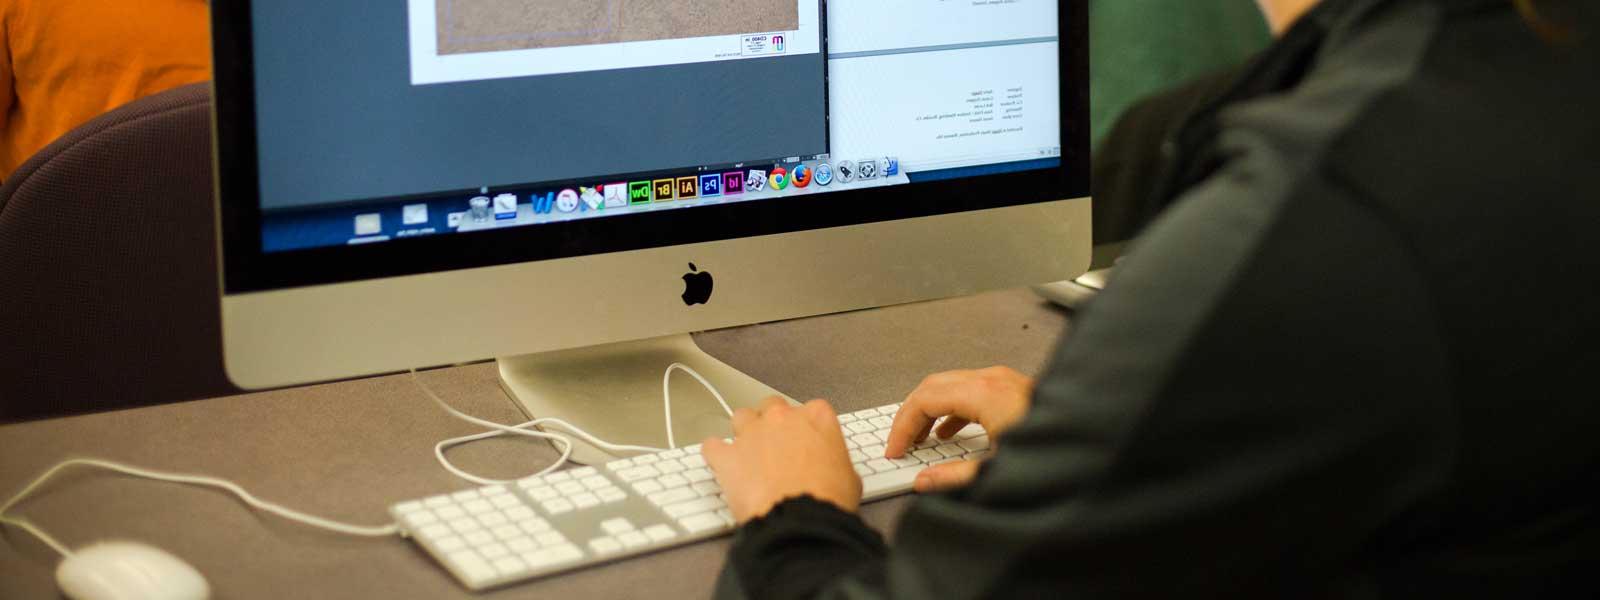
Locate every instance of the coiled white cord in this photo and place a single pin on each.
(561, 441)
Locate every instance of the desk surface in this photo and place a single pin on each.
(348, 450)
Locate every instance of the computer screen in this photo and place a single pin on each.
(379, 122)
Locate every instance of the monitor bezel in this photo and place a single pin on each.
(246, 267)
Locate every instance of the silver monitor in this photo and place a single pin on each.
(571, 189)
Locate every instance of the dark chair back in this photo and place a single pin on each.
(108, 264)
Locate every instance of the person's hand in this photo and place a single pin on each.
(996, 398)
(783, 452)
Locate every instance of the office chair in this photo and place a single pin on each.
(108, 264)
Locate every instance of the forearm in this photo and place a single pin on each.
(801, 548)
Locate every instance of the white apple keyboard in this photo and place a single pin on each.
(540, 526)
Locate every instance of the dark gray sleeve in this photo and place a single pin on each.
(1259, 390)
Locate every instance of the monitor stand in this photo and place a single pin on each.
(613, 391)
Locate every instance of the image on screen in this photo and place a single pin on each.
(433, 117)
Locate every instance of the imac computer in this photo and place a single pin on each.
(571, 187)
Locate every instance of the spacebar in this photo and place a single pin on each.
(889, 482)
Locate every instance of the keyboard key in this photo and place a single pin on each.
(493, 550)
(534, 526)
(492, 491)
(477, 506)
(702, 522)
(862, 470)
(633, 539)
(669, 466)
(693, 461)
(518, 513)
(616, 526)
(889, 410)
(660, 533)
(435, 530)
(585, 500)
(605, 545)
(727, 516)
(695, 506)
(909, 460)
(419, 518)
(510, 566)
(505, 501)
(851, 444)
(472, 567)
(507, 532)
(706, 488)
(671, 496)
(647, 487)
(405, 507)
(550, 538)
(478, 538)
(845, 419)
(860, 427)
(970, 431)
(882, 422)
(464, 495)
(698, 475)
(450, 513)
(975, 444)
(449, 543)
(582, 472)
(543, 493)
(692, 449)
(672, 481)
(865, 414)
(558, 506)
(950, 450)
(595, 482)
(874, 451)
(492, 519)
(436, 501)
(928, 455)
(898, 478)
(617, 465)
(612, 494)
(557, 477)
(645, 459)
(857, 456)
(637, 473)
(465, 524)
(522, 544)
(865, 439)
(882, 435)
(550, 557)
(881, 464)
(569, 487)
(673, 453)
(529, 483)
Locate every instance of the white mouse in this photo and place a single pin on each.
(129, 571)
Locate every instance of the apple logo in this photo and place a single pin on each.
(696, 286)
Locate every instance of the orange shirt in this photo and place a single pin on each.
(63, 62)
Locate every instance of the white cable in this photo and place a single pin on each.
(499, 429)
(666, 396)
(438, 450)
(247, 497)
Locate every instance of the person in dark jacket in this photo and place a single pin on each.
(1353, 356)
